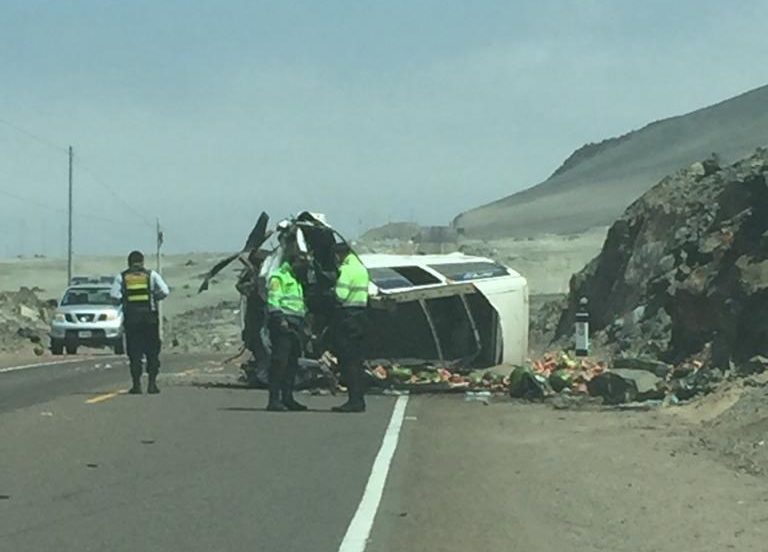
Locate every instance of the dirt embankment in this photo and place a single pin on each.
(209, 329)
(24, 321)
(732, 424)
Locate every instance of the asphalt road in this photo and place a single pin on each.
(204, 467)
(21, 386)
(192, 469)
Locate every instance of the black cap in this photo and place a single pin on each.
(135, 258)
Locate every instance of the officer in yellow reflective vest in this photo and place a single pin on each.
(139, 290)
(350, 325)
(287, 309)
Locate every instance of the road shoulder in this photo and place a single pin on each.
(518, 476)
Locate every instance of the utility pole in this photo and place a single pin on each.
(69, 233)
(160, 271)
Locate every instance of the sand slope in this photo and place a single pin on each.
(595, 185)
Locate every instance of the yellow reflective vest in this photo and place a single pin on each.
(137, 293)
(352, 284)
(285, 293)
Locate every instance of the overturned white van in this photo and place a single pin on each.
(452, 310)
(455, 309)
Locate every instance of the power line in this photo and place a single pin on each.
(82, 164)
(87, 169)
(34, 202)
(36, 137)
(39, 204)
(114, 194)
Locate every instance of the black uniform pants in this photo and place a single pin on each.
(142, 335)
(284, 365)
(349, 336)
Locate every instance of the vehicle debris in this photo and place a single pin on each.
(432, 378)
(646, 381)
(453, 313)
(478, 396)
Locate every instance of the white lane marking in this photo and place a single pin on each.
(360, 527)
(43, 364)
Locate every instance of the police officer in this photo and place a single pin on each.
(350, 325)
(140, 290)
(287, 310)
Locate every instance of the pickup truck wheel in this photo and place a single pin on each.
(119, 347)
(71, 349)
(57, 348)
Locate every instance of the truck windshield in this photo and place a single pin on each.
(88, 296)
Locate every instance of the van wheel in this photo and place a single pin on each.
(57, 348)
(71, 349)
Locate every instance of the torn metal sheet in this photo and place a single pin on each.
(255, 240)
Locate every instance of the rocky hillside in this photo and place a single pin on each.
(685, 269)
(595, 184)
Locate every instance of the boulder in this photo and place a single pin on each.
(656, 367)
(648, 385)
(29, 313)
(613, 388)
(755, 365)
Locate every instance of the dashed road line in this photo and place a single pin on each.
(105, 396)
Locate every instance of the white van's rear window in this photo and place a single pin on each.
(462, 272)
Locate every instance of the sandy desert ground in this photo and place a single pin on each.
(547, 262)
(182, 272)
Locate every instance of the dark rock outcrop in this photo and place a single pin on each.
(685, 266)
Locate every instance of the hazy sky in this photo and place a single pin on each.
(205, 113)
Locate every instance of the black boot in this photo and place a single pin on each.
(350, 406)
(136, 389)
(287, 389)
(292, 404)
(274, 404)
(356, 402)
(152, 388)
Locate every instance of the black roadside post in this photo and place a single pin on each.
(582, 328)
